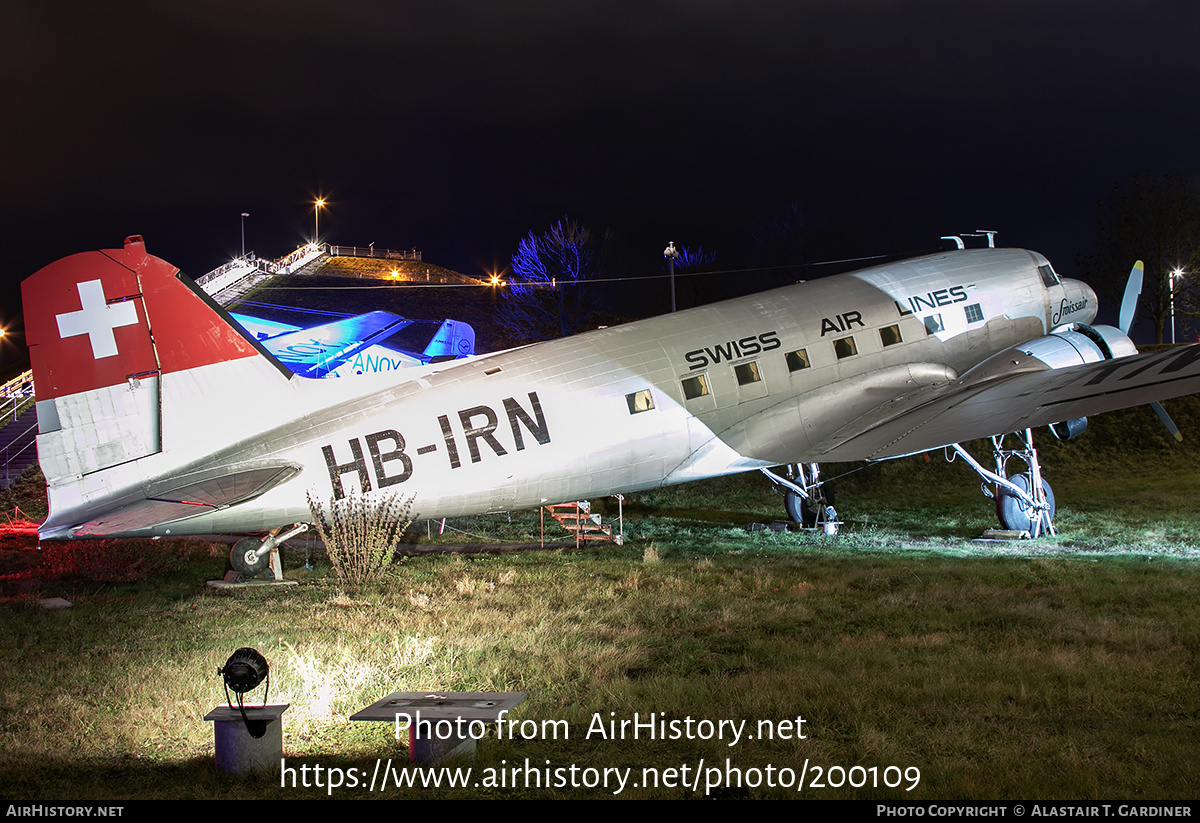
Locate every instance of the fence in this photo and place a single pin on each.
(371, 251)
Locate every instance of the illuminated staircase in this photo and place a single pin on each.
(578, 519)
(17, 449)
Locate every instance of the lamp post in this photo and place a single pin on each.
(317, 222)
(1174, 274)
(244, 216)
(670, 252)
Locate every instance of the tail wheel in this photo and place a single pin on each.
(1017, 515)
(805, 512)
(244, 557)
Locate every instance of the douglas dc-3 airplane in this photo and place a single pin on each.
(158, 416)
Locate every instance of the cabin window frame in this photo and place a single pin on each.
(798, 360)
(640, 401)
(748, 373)
(698, 381)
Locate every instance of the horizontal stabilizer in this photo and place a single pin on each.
(182, 502)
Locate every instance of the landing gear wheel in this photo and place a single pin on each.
(805, 512)
(244, 560)
(1015, 514)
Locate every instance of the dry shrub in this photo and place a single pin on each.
(360, 535)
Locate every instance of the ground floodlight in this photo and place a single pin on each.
(242, 672)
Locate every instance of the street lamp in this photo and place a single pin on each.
(244, 216)
(670, 252)
(317, 221)
(1174, 274)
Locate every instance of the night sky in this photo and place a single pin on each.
(457, 127)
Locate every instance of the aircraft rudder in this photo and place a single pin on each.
(453, 339)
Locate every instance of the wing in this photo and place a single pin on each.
(1026, 395)
(321, 349)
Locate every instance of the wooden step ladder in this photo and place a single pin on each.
(578, 519)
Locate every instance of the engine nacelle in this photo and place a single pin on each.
(1069, 429)
(1063, 348)
(1079, 344)
(1074, 346)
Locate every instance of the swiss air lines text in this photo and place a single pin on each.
(467, 436)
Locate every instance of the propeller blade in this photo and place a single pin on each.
(1133, 289)
(1166, 420)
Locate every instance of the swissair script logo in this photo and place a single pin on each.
(96, 319)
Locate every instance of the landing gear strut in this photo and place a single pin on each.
(807, 498)
(1024, 501)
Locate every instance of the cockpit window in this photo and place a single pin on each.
(1049, 277)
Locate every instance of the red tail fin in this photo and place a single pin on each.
(103, 318)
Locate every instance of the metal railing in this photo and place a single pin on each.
(371, 251)
(12, 407)
(238, 263)
(19, 386)
(10, 456)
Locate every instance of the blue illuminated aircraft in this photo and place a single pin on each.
(350, 346)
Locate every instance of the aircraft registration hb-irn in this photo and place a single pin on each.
(158, 416)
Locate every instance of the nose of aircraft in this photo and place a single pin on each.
(1077, 305)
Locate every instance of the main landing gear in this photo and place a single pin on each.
(807, 498)
(1024, 500)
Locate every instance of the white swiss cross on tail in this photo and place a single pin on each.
(96, 319)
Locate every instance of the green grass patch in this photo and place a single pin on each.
(1064, 676)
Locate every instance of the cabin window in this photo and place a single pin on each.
(694, 387)
(640, 401)
(747, 373)
(798, 360)
(933, 324)
(974, 313)
(1049, 276)
(845, 347)
(890, 335)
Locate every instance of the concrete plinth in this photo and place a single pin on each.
(441, 725)
(239, 751)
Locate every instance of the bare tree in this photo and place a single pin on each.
(548, 295)
(1154, 218)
